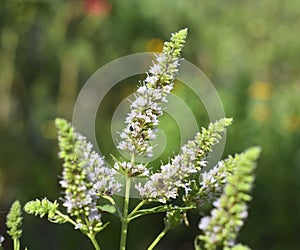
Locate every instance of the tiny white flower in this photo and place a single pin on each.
(78, 226)
(217, 203)
(151, 79)
(2, 239)
(161, 58)
(244, 214)
(204, 223)
(155, 69)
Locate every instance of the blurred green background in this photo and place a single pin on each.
(250, 50)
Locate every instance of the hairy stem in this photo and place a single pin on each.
(158, 238)
(125, 215)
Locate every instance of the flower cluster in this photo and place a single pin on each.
(102, 178)
(85, 176)
(14, 220)
(146, 108)
(226, 219)
(90, 186)
(132, 169)
(43, 208)
(213, 181)
(165, 184)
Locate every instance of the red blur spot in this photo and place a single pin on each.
(97, 7)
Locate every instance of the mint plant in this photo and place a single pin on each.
(182, 185)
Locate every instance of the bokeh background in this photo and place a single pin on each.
(250, 50)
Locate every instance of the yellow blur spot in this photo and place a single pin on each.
(292, 123)
(260, 90)
(48, 130)
(155, 45)
(261, 112)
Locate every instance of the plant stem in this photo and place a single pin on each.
(94, 241)
(136, 208)
(66, 217)
(91, 236)
(158, 238)
(125, 215)
(16, 244)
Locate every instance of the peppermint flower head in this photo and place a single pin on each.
(43, 208)
(142, 119)
(213, 181)
(165, 184)
(14, 221)
(85, 177)
(132, 169)
(220, 229)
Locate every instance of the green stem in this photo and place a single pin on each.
(158, 238)
(125, 215)
(91, 236)
(136, 208)
(94, 241)
(16, 244)
(66, 217)
(196, 243)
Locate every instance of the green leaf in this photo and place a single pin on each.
(107, 208)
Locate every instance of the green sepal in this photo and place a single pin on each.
(173, 219)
